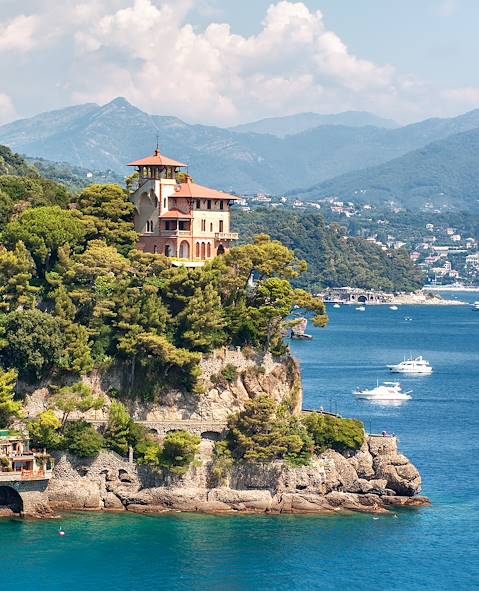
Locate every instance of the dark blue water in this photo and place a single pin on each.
(430, 549)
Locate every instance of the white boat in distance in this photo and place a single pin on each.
(336, 306)
(413, 366)
(361, 308)
(393, 308)
(388, 392)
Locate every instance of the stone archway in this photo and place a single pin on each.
(362, 299)
(220, 250)
(10, 499)
(211, 435)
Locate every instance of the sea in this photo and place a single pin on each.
(434, 548)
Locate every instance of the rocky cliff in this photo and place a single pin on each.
(374, 479)
(254, 375)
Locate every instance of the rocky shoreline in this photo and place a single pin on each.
(375, 479)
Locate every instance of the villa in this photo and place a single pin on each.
(178, 218)
(18, 462)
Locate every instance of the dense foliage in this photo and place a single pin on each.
(78, 295)
(264, 431)
(334, 259)
(330, 432)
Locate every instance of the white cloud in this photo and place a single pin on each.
(7, 110)
(448, 8)
(164, 65)
(18, 34)
(147, 51)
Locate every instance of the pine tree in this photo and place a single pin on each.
(118, 431)
(202, 321)
(16, 272)
(9, 408)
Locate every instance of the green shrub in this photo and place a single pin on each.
(330, 432)
(263, 431)
(222, 461)
(44, 431)
(179, 451)
(83, 440)
(227, 375)
(230, 373)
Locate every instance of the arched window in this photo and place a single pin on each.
(208, 250)
(197, 250)
(221, 250)
(155, 249)
(203, 225)
(203, 250)
(184, 250)
(221, 226)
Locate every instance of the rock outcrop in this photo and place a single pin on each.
(256, 374)
(374, 479)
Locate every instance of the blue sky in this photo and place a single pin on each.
(224, 62)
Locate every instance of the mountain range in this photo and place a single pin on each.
(292, 124)
(326, 154)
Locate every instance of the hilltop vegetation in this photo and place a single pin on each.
(75, 294)
(334, 258)
(74, 177)
(443, 174)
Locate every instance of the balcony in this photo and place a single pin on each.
(23, 475)
(226, 236)
(174, 233)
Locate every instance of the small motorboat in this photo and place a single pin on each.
(475, 306)
(336, 306)
(387, 392)
(393, 308)
(417, 366)
(301, 336)
(361, 308)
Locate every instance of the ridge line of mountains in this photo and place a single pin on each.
(353, 156)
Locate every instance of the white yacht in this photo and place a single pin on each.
(336, 306)
(414, 366)
(388, 392)
(475, 306)
(393, 308)
(361, 308)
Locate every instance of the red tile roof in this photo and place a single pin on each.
(157, 160)
(193, 191)
(175, 213)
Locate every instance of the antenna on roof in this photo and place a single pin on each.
(157, 141)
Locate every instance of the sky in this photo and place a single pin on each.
(223, 62)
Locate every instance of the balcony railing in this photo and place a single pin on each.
(175, 233)
(227, 236)
(25, 475)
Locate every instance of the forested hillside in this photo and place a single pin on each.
(443, 174)
(334, 259)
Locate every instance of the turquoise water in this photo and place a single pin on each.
(433, 548)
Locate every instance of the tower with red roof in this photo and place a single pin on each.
(176, 217)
